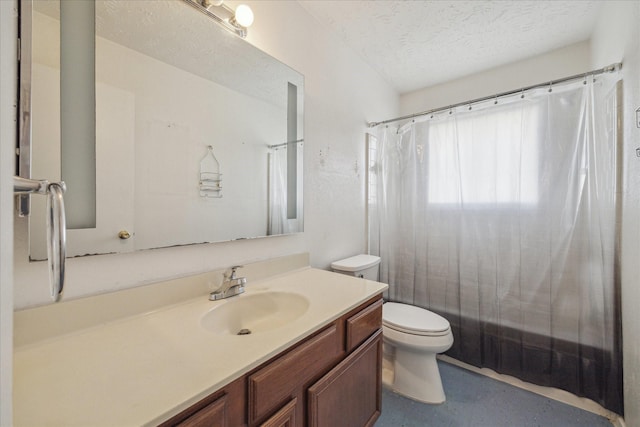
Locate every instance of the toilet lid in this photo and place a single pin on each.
(412, 319)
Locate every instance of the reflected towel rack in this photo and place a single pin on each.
(210, 176)
(56, 227)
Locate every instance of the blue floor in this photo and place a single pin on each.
(474, 400)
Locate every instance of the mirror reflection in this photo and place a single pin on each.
(198, 134)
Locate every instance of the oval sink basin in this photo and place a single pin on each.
(255, 313)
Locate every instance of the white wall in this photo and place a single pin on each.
(339, 100)
(341, 95)
(567, 61)
(617, 38)
(7, 138)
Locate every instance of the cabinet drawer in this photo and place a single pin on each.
(226, 407)
(276, 383)
(212, 415)
(285, 417)
(361, 325)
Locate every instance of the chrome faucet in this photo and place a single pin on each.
(231, 286)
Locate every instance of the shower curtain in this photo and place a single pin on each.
(502, 217)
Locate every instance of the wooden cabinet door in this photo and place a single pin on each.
(350, 395)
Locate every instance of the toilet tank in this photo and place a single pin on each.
(365, 266)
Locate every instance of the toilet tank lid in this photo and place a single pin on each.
(356, 263)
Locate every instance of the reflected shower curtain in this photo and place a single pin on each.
(503, 219)
(277, 192)
(278, 220)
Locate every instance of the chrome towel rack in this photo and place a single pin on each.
(56, 227)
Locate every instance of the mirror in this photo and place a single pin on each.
(198, 134)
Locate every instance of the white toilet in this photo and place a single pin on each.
(412, 338)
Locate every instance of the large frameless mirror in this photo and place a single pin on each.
(197, 135)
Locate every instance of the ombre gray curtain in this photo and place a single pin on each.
(503, 218)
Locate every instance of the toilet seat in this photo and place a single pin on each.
(414, 320)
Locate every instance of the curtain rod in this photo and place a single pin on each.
(609, 69)
(285, 143)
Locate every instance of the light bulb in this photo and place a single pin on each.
(244, 15)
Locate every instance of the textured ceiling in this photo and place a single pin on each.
(416, 44)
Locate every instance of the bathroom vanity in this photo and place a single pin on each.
(183, 364)
(331, 378)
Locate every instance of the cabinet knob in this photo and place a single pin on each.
(124, 234)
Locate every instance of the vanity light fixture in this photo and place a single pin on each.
(235, 20)
(208, 3)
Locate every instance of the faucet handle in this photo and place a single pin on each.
(233, 271)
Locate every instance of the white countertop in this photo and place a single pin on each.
(143, 369)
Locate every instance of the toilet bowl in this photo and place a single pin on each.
(412, 338)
